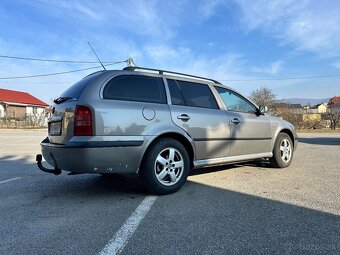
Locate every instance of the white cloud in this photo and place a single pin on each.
(337, 64)
(140, 17)
(308, 25)
(76, 8)
(227, 66)
(207, 8)
(272, 69)
(262, 13)
(164, 53)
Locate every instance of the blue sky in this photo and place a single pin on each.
(225, 40)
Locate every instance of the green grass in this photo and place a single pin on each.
(325, 130)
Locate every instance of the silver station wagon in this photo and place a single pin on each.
(159, 124)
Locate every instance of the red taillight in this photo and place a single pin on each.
(83, 121)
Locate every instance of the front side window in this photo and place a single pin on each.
(235, 102)
(192, 94)
(136, 88)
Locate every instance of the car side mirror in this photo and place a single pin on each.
(263, 109)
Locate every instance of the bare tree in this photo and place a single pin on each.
(263, 96)
(334, 117)
(334, 111)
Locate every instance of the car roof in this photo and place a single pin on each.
(171, 75)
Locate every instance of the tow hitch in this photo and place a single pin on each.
(55, 171)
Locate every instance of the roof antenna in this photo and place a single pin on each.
(96, 56)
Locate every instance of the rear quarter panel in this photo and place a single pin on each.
(127, 120)
(123, 118)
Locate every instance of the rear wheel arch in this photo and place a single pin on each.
(165, 166)
(179, 137)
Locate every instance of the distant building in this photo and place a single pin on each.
(322, 108)
(334, 105)
(311, 117)
(18, 105)
(286, 107)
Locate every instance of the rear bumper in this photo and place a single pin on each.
(94, 156)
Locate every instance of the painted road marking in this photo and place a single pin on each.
(121, 238)
(9, 180)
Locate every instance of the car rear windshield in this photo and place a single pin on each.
(77, 89)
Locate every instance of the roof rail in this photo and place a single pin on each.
(133, 68)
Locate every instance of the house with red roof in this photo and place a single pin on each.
(334, 104)
(18, 105)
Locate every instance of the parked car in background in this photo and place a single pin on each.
(160, 125)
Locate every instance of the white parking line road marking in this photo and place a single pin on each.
(9, 180)
(121, 238)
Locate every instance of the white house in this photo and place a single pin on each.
(19, 105)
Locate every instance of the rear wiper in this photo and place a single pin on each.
(59, 100)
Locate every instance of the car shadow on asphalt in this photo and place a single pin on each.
(320, 140)
(214, 220)
(199, 217)
(94, 184)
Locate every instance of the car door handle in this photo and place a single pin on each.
(183, 117)
(235, 121)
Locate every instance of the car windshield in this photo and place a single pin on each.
(77, 89)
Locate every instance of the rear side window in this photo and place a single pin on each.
(193, 94)
(176, 94)
(136, 88)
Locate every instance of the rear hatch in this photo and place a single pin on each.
(61, 124)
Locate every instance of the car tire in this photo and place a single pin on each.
(165, 167)
(283, 151)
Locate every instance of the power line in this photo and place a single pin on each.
(288, 78)
(55, 60)
(131, 63)
(58, 73)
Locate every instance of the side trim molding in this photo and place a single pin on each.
(231, 139)
(224, 160)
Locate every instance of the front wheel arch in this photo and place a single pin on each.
(286, 131)
(281, 152)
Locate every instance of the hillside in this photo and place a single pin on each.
(305, 101)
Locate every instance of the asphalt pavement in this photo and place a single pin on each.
(235, 209)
